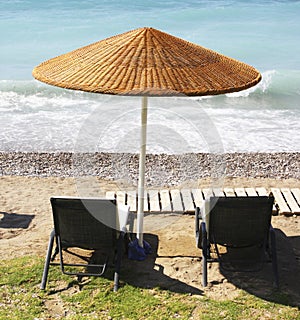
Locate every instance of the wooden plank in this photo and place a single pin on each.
(110, 195)
(146, 202)
(251, 192)
(121, 197)
(229, 192)
(187, 200)
(198, 197)
(154, 201)
(165, 200)
(262, 191)
(207, 192)
(218, 192)
(283, 207)
(296, 193)
(290, 200)
(177, 205)
(240, 192)
(131, 200)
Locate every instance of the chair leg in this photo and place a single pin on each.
(204, 254)
(47, 261)
(118, 260)
(274, 257)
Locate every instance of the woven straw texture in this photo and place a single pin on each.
(147, 61)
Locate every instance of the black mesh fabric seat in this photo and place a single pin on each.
(237, 224)
(85, 224)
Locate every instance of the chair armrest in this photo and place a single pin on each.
(197, 223)
(202, 236)
(123, 214)
(197, 218)
(197, 227)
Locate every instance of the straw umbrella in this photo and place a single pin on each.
(147, 62)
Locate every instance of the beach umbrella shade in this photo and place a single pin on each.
(147, 62)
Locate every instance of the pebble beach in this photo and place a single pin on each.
(176, 168)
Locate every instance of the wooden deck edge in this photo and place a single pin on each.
(184, 201)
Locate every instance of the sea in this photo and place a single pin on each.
(35, 117)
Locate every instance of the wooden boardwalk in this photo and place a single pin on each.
(287, 201)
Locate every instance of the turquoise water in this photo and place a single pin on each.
(36, 117)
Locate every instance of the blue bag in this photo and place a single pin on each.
(136, 252)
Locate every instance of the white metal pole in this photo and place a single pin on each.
(142, 160)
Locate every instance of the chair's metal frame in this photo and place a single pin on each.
(205, 239)
(61, 247)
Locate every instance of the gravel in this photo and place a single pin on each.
(161, 168)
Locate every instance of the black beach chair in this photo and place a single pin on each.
(236, 223)
(88, 225)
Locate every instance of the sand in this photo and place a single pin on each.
(175, 264)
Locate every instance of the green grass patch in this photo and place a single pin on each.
(246, 306)
(21, 298)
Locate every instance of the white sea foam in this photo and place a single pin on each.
(262, 86)
(37, 117)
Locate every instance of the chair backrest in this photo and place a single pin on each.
(85, 223)
(240, 221)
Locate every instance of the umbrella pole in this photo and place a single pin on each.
(142, 160)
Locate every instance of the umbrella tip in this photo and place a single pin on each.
(148, 28)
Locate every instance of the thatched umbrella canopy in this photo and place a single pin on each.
(147, 62)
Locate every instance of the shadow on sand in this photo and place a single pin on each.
(15, 220)
(141, 274)
(149, 274)
(260, 283)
